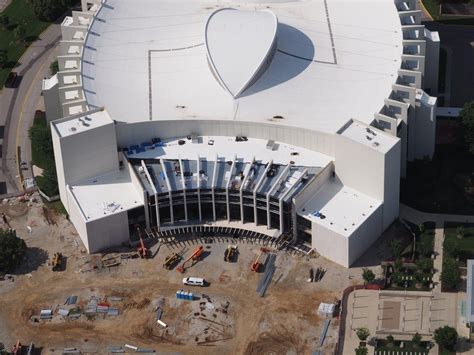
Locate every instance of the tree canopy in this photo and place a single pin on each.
(12, 251)
(361, 350)
(362, 333)
(451, 276)
(368, 275)
(50, 10)
(446, 337)
(467, 119)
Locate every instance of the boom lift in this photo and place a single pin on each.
(142, 250)
(195, 256)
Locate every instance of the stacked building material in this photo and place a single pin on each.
(267, 275)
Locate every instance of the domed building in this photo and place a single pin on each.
(289, 119)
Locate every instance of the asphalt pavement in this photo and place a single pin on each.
(17, 107)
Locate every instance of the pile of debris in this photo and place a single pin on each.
(210, 323)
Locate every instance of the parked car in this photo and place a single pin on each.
(194, 281)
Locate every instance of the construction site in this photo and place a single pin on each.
(182, 292)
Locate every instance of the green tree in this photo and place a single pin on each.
(20, 32)
(50, 10)
(424, 245)
(12, 251)
(421, 228)
(54, 67)
(368, 275)
(397, 248)
(451, 247)
(41, 139)
(3, 57)
(460, 232)
(362, 333)
(451, 276)
(361, 350)
(424, 264)
(416, 340)
(390, 340)
(446, 337)
(48, 182)
(398, 265)
(467, 121)
(4, 22)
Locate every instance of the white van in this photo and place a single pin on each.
(194, 281)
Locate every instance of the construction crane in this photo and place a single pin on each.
(142, 250)
(230, 252)
(195, 256)
(256, 264)
(171, 261)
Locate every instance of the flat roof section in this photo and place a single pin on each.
(106, 194)
(345, 209)
(369, 136)
(81, 122)
(329, 64)
(208, 147)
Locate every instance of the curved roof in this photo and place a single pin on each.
(335, 60)
(239, 45)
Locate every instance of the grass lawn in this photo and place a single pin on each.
(19, 11)
(39, 158)
(432, 6)
(465, 244)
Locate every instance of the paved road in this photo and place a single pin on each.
(17, 106)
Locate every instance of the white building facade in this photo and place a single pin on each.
(241, 115)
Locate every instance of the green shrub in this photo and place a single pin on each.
(50, 10)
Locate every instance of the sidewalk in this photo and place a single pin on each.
(417, 217)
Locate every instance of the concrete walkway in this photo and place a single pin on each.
(4, 4)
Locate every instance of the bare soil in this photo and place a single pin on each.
(284, 321)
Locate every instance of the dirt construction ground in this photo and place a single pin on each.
(228, 316)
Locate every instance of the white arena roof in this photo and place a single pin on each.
(335, 60)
